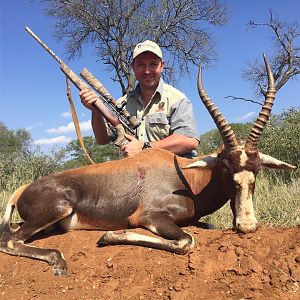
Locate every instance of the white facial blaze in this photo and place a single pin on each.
(243, 159)
(245, 217)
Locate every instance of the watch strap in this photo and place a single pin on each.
(146, 145)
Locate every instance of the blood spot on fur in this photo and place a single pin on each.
(142, 173)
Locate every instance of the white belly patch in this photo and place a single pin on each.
(72, 223)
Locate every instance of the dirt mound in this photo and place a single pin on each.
(223, 265)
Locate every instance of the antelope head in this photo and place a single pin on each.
(239, 162)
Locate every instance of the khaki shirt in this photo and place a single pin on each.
(168, 112)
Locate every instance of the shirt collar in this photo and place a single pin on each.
(158, 90)
(160, 87)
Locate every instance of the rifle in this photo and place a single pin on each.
(116, 115)
(118, 108)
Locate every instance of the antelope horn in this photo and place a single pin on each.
(227, 134)
(263, 117)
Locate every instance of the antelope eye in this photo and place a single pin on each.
(225, 171)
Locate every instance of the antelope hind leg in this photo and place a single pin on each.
(13, 241)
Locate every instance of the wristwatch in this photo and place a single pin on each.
(146, 145)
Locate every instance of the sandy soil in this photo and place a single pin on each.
(223, 265)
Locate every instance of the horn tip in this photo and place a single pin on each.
(200, 69)
(200, 77)
(265, 59)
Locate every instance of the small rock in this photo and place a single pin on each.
(239, 251)
(77, 256)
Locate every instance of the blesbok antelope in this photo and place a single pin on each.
(154, 189)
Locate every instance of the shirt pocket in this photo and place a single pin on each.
(158, 118)
(159, 126)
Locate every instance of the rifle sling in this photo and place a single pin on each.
(75, 120)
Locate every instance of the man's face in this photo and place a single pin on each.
(147, 68)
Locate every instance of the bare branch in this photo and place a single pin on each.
(244, 99)
(285, 63)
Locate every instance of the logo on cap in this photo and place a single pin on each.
(145, 47)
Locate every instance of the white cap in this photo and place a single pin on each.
(147, 46)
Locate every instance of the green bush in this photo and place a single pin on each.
(281, 139)
(16, 171)
(13, 141)
(20, 163)
(211, 141)
(98, 153)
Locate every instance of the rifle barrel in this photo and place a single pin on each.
(43, 44)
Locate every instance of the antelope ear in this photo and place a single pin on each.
(205, 162)
(271, 162)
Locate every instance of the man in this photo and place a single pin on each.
(166, 115)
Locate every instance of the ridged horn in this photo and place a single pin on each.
(263, 117)
(227, 134)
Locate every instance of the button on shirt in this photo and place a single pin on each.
(168, 112)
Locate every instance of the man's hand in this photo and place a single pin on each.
(88, 98)
(134, 146)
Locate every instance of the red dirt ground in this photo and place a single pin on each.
(223, 265)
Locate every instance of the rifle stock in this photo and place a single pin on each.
(100, 89)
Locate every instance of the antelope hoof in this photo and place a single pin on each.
(59, 272)
(104, 240)
(248, 228)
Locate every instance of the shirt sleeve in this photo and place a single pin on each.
(182, 119)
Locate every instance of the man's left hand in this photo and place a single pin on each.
(134, 146)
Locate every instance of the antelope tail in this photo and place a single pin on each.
(5, 222)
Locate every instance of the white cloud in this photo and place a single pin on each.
(57, 140)
(66, 115)
(62, 129)
(30, 127)
(246, 117)
(84, 126)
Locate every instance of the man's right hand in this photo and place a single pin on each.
(88, 98)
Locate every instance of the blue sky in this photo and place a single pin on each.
(32, 87)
